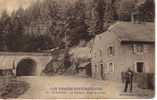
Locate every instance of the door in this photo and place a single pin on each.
(140, 67)
(89, 70)
(102, 71)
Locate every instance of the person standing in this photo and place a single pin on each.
(128, 80)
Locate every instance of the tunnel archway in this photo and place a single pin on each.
(26, 67)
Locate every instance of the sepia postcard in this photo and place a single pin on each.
(77, 49)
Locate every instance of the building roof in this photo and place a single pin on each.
(84, 65)
(128, 31)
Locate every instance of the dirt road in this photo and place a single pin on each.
(76, 87)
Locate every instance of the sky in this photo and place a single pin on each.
(11, 5)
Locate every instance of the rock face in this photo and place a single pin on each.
(75, 61)
(59, 64)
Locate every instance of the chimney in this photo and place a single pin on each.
(135, 15)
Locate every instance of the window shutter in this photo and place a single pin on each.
(113, 51)
(113, 67)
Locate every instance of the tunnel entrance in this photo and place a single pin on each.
(26, 67)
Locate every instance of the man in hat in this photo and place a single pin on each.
(128, 80)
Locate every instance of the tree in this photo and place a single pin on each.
(91, 18)
(147, 11)
(103, 14)
(36, 43)
(15, 38)
(100, 11)
(110, 14)
(56, 18)
(5, 26)
(77, 23)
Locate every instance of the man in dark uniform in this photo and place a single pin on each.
(128, 80)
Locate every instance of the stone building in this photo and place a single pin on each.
(124, 45)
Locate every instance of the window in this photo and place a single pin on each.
(100, 53)
(140, 67)
(138, 48)
(100, 37)
(110, 51)
(111, 67)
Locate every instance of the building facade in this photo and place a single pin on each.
(124, 45)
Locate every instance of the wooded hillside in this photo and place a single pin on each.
(54, 23)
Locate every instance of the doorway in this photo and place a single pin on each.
(89, 70)
(26, 67)
(140, 67)
(102, 71)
